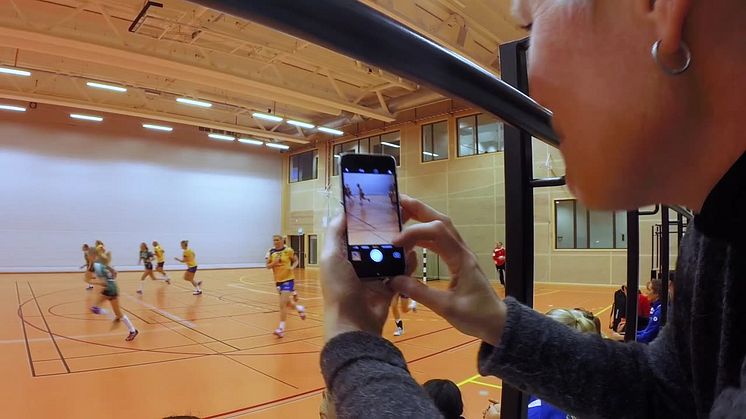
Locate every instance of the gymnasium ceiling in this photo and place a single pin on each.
(185, 50)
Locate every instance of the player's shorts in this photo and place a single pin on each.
(286, 286)
(148, 266)
(111, 290)
(161, 264)
(193, 269)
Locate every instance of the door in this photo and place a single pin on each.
(313, 257)
(297, 243)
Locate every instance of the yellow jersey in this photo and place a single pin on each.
(190, 258)
(159, 254)
(284, 271)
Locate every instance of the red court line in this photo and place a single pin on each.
(49, 330)
(283, 399)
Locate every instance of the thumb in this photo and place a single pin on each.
(436, 300)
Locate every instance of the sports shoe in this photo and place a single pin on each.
(302, 315)
(399, 331)
(89, 287)
(197, 292)
(413, 305)
(96, 310)
(132, 335)
(279, 332)
(168, 280)
(139, 292)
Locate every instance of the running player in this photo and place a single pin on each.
(190, 260)
(107, 277)
(88, 277)
(282, 260)
(146, 257)
(396, 302)
(160, 257)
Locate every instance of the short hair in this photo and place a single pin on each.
(186, 242)
(575, 319)
(446, 396)
(277, 236)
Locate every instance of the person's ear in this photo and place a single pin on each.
(669, 17)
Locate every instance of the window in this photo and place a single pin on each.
(479, 134)
(380, 144)
(435, 141)
(577, 227)
(304, 166)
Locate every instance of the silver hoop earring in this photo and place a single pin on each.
(668, 70)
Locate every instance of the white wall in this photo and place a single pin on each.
(63, 183)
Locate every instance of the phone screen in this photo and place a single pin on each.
(371, 201)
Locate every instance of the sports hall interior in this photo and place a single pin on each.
(128, 121)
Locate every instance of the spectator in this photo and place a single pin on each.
(498, 256)
(447, 397)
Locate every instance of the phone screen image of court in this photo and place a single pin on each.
(371, 207)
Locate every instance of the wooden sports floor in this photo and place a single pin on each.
(211, 356)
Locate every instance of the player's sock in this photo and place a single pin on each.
(399, 323)
(300, 308)
(128, 323)
(282, 326)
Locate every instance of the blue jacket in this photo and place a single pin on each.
(654, 325)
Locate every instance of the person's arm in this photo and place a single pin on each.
(651, 330)
(367, 377)
(294, 260)
(585, 374)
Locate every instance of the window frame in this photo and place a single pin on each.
(315, 164)
(335, 166)
(431, 125)
(587, 227)
(475, 144)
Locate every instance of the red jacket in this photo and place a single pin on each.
(496, 256)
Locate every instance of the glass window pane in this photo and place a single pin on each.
(336, 157)
(313, 250)
(391, 145)
(364, 146)
(427, 142)
(621, 230)
(350, 147)
(466, 137)
(489, 134)
(581, 226)
(303, 166)
(602, 233)
(375, 145)
(565, 229)
(440, 140)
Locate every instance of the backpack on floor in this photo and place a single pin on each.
(618, 308)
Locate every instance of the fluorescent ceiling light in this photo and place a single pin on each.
(106, 86)
(275, 145)
(221, 137)
(86, 117)
(250, 141)
(14, 71)
(157, 127)
(193, 102)
(268, 117)
(390, 145)
(12, 108)
(301, 124)
(331, 131)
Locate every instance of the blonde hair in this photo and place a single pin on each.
(573, 318)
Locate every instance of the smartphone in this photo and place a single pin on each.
(370, 195)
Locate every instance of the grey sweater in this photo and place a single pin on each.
(692, 370)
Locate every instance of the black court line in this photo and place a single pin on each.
(25, 335)
(124, 366)
(49, 330)
(194, 330)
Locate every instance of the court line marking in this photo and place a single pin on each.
(604, 310)
(468, 380)
(25, 335)
(485, 384)
(49, 330)
(267, 292)
(163, 313)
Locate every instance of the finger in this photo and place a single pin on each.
(418, 210)
(411, 263)
(335, 236)
(435, 300)
(435, 236)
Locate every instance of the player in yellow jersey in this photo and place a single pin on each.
(160, 258)
(282, 260)
(190, 260)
